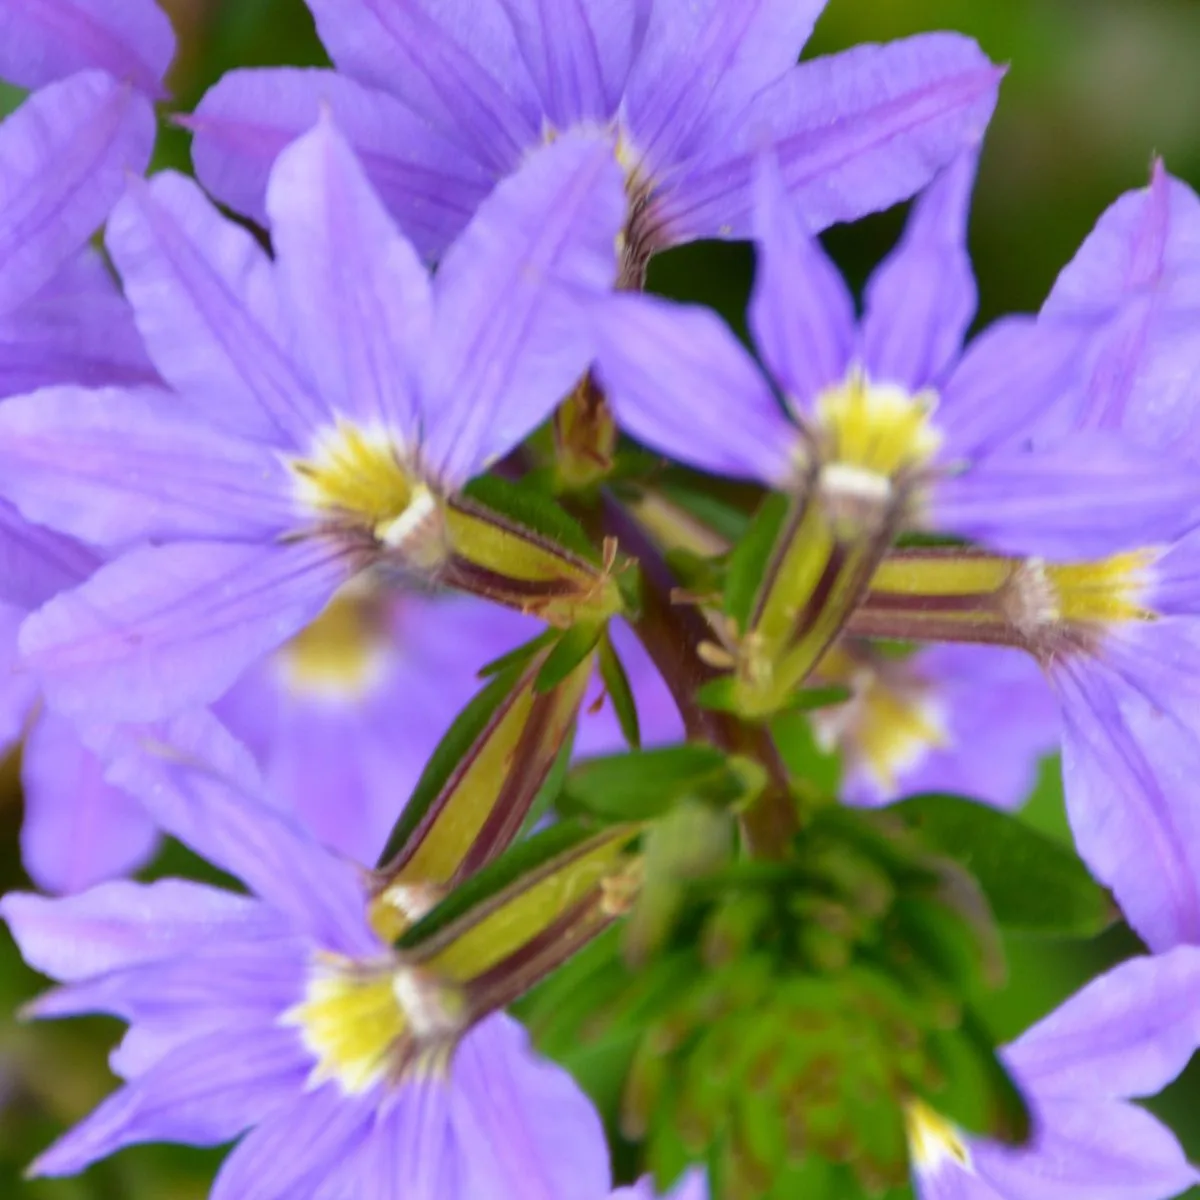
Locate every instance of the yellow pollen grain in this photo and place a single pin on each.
(341, 653)
(352, 1023)
(1108, 591)
(356, 474)
(932, 1140)
(878, 428)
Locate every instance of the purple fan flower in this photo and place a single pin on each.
(65, 154)
(1127, 1034)
(323, 403)
(894, 395)
(443, 99)
(1121, 637)
(970, 720)
(280, 1017)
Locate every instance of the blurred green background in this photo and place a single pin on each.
(1095, 88)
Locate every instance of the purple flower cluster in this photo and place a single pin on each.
(229, 485)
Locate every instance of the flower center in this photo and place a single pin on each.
(368, 1023)
(877, 429)
(343, 655)
(889, 724)
(932, 1140)
(1108, 591)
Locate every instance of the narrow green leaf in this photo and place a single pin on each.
(643, 784)
(519, 656)
(722, 518)
(570, 650)
(1034, 885)
(751, 556)
(616, 682)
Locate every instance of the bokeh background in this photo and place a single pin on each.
(1095, 89)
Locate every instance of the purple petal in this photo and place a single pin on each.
(1148, 241)
(167, 627)
(292, 1152)
(1086, 496)
(78, 829)
(681, 382)
(455, 62)
(77, 329)
(429, 185)
(177, 775)
(18, 689)
(801, 312)
(1089, 1150)
(64, 157)
(691, 1186)
(1128, 1033)
(922, 299)
(359, 298)
(36, 563)
(853, 132)
(578, 53)
(115, 467)
(119, 925)
(702, 63)
(1128, 770)
(523, 1128)
(203, 1093)
(1006, 383)
(45, 40)
(948, 1181)
(510, 337)
(208, 307)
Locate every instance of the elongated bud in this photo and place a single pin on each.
(524, 915)
(966, 595)
(479, 786)
(536, 562)
(818, 569)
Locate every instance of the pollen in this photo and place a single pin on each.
(889, 724)
(352, 1022)
(357, 476)
(1108, 591)
(343, 654)
(932, 1140)
(877, 428)
(367, 1023)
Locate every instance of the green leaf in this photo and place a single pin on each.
(534, 509)
(519, 656)
(570, 650)
(751, 556)
(1033, 884)
(647, 783)
(814, 771)
(616, 681)
(723, 519)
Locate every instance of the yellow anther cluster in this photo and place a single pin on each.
(877, 428)
(352, 1022)
(1103, 592)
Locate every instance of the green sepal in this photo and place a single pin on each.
(645, 784)
(1033, 885)
(550, 789)
(570, 649)
(616, 683)
(534, 509)
(518, 656)
(751, 557)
